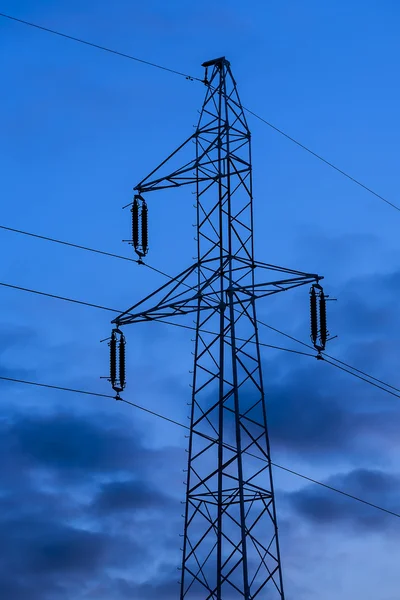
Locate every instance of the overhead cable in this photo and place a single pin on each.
(198, 79)
(173, 421)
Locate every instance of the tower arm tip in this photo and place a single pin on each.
(222, 60)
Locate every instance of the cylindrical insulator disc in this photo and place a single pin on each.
(135, 223)
(322, 318)
(122, 362)
(113, 358)
(145, 235)
(314, 318)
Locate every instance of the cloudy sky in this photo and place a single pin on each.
(91, 489)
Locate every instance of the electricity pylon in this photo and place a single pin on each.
(230, 541)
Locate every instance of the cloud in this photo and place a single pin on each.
(303, 416)
(67, 442)
(325, 413)
(14, 341)
(41, 549)
(122, 496)
(60, 476)
(60, 549)
(15, 336)
(323, 508)
(85, 506)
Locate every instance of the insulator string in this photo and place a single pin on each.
(113, 359)
(314, 319)
(145, 234)
(122, 362)
(322, 318)
(319, 332)
(135, 223)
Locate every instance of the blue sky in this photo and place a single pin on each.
(86, 483)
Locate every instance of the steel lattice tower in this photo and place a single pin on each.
(230, 541)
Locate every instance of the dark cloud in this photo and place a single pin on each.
(15, 336)
(13, 373)
(320, 413)
(322, 507)
(302, 416)
(84, 505)
(15, 341)
(165, 585)
(121, 496)
(59, 478)
(324, 412)
(42, 546)
(70, 550)
(43, 551)
(68, 442)
(317, 412)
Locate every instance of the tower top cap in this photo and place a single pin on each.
(222, 61)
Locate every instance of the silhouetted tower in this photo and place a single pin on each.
(230, 542)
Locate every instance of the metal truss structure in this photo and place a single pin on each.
(230, 541)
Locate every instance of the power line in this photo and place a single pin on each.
(56, 297)
(192, 78)
(98, 394)
(97, 306)
(86, 248)
(159, 271)
(174, 422)
(361, 372)
(329, 487)
(364, 379)
(327, 356)
(324, 160)
(290, 337)
(91, 305)
(99, 47)
(114, 310)
(64, 243)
